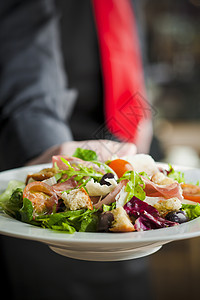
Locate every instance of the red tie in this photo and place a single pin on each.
(124, 89)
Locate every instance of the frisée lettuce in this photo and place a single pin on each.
(192, 211)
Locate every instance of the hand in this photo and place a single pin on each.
(105, 149)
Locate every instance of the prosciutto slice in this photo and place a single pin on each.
(167, 191)
(56, 160)
(110, 198)
(75, 162)
(63, 186)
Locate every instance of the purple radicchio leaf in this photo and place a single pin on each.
(147, 216)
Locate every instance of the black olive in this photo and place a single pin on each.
(106, 176)
(105, 221)
(177, 216)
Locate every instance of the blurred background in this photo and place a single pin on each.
(171, 54)
(169, 34)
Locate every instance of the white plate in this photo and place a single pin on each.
(96, 246)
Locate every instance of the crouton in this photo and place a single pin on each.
(164, 206)
(77, 199)
(122, 222)
(161, 179)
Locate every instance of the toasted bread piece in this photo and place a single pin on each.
(161, 179)
(122, 222)
(77, 199)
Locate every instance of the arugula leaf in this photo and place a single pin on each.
(70, 168)
(176, 175)
(26, 211)
(85, 154)
(82, 175)
(70, 221)
(192, 211)
(56, 221)
(135, 186)
(84, 219)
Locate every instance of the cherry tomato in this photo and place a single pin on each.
(42, 196)
(191, 192)
(120, 166)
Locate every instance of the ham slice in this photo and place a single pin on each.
(167, 191)
(110, 198)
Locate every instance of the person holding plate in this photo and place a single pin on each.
(91, 96)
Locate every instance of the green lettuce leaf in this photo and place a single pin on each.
(85, 154)
(13, 204)
(192, 211)
(26, 211)
(176, 175)
(12, 186)
(89, 223)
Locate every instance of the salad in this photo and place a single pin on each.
(81, 193)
